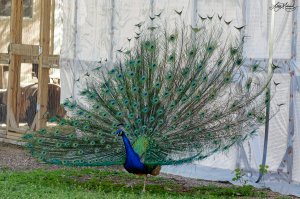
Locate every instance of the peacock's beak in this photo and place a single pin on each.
(118, 132)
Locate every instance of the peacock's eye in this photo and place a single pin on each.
(169, 77)
(131, 62)
(126, 101)
(131, 74)
(131, 115)
(172, 37)
(200, 67)
(151, 119)
(112, 71)
(155, 100)
(219, 62)
(238, 61)
(194, 84)
(119, 114)
(112, 102)
(159, 111)
(233, 51)
(135, 89)
(153, 66)
(172, 58)
(191, 53)
(145, 94)
(138, 121)
(161, 121)
(166, 93)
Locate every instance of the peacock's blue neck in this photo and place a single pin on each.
(133, 162)
(127, 144)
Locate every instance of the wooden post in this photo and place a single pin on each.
(1, 77)
(13, 99)
(43, 77)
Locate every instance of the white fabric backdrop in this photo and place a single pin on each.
(95, 29)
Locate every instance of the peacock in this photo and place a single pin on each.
(175, 96)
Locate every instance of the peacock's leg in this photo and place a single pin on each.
(145, 179)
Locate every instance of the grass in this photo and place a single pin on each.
(93, 183)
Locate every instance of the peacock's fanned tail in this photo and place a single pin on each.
(182, 95)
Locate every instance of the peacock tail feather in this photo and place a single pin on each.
(182, 95)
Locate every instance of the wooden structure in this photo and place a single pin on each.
(23, 53)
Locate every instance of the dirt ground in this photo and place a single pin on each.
(14, 157)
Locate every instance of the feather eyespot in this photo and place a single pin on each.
(112, 71)
(153, 65)
(138, 121)
(169, 76)
(112, 102)
(119, 114)
(145, 94)
(161, 121)
(172, 37)
(131, 74)
(119, 76)
(152, 119)
(143, 78)
(145, 109)
(131, 115)
(131, 62)
(155, 100)
(159, 111)
(157, 85)
(126, 101)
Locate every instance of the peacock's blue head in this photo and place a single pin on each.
(120, 130)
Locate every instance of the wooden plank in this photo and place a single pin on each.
(4, 58)
(2, 133)
(42, 96)
(16, 133)
(13, 135)
(17, 130)
(53, 60)
(13, 99)
(24, 49)
(12, 141)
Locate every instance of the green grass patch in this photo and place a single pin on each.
(93, 183)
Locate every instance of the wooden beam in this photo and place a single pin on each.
(13, 99)
(17, 130)
(14, 135)
(12, 141)
(4, 58)
(52, 62)
(42, 97)
(24, 49)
